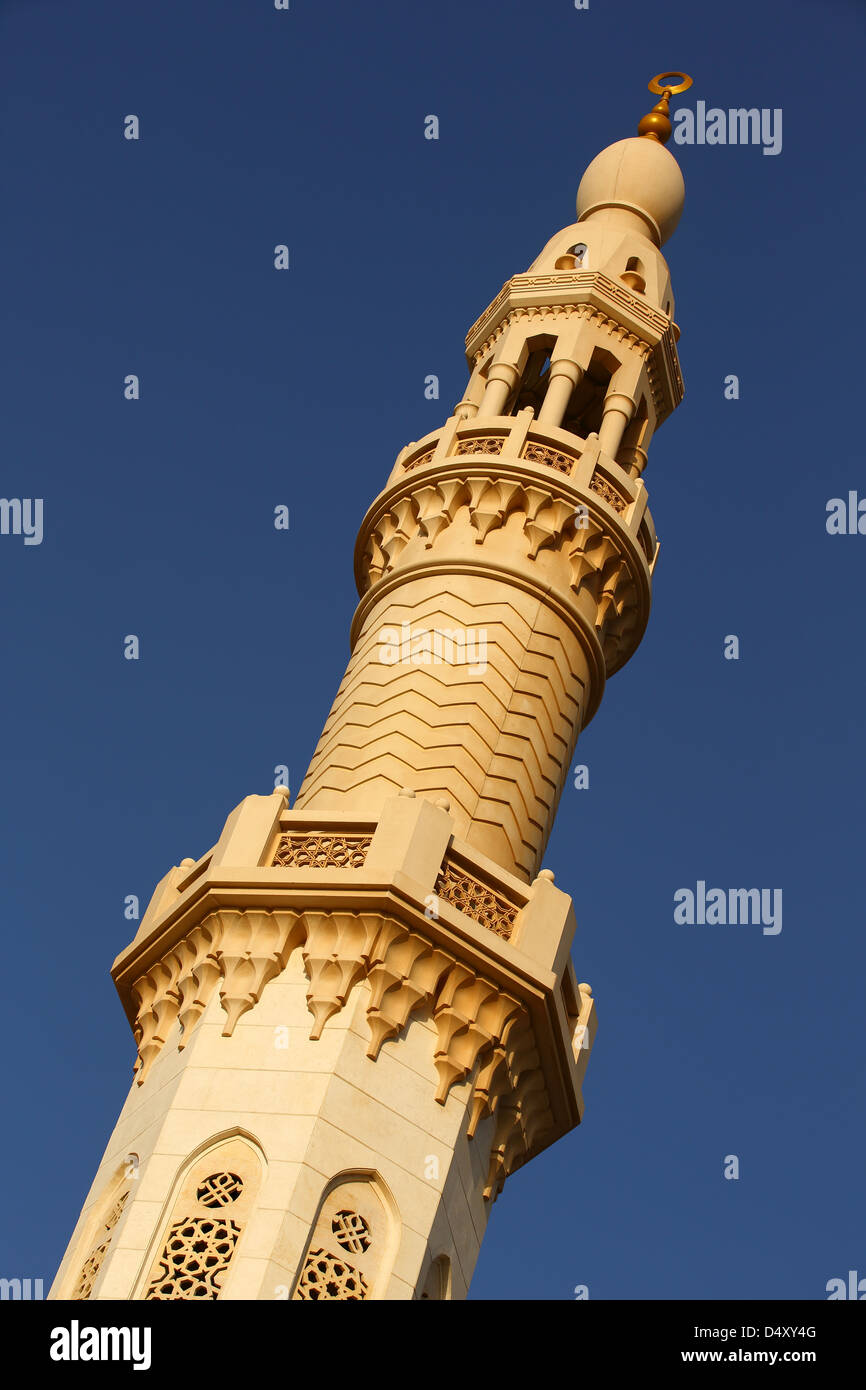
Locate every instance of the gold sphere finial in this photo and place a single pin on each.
(656, 124)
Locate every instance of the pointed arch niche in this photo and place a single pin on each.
(99, 1231)
(437, 1284)
(203, 1220)
(353, 1243)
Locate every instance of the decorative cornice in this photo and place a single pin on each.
(546, 289)
(525, 440)
(482, 1033)
(606, 559)
(592, 296)
(431, 927)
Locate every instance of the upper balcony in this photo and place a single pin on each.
(520, 437)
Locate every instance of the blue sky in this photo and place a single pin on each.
(156, 257)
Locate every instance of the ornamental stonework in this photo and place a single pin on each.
(220, 1189)
(469, 895)
(419, 460)
(351, 1232)
(325, 1277)
(652, 337)
(92, 1265)
(321, 851)
(199, 1246)
(607, 492)
(482, 444)
(596, 561)
(195, 1259)
(482, 1033)
(550, 458)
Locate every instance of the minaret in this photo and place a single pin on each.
(356, 1017)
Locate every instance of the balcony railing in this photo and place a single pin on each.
(520, 437)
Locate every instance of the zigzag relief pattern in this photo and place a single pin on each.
(496, 801)
(507, 629)
(596, 565)
(482, 1034)
(370, 686)
(421, 606)
(448, 689)
(476, 730)
(504, 737)
(414, 693)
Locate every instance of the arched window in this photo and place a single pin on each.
(353, 1242)
(110, 1209)
(214, 1199)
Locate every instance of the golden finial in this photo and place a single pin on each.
(656, 124)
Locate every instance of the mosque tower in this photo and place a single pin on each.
(355, 1017)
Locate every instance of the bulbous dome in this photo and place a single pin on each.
(639, 175)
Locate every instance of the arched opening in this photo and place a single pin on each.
(634, 275)
(531, 389)
(437, 1284)
(213, 1199)
(101, 1228)
(586, 406)
(352, 1244)
(575, 258)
